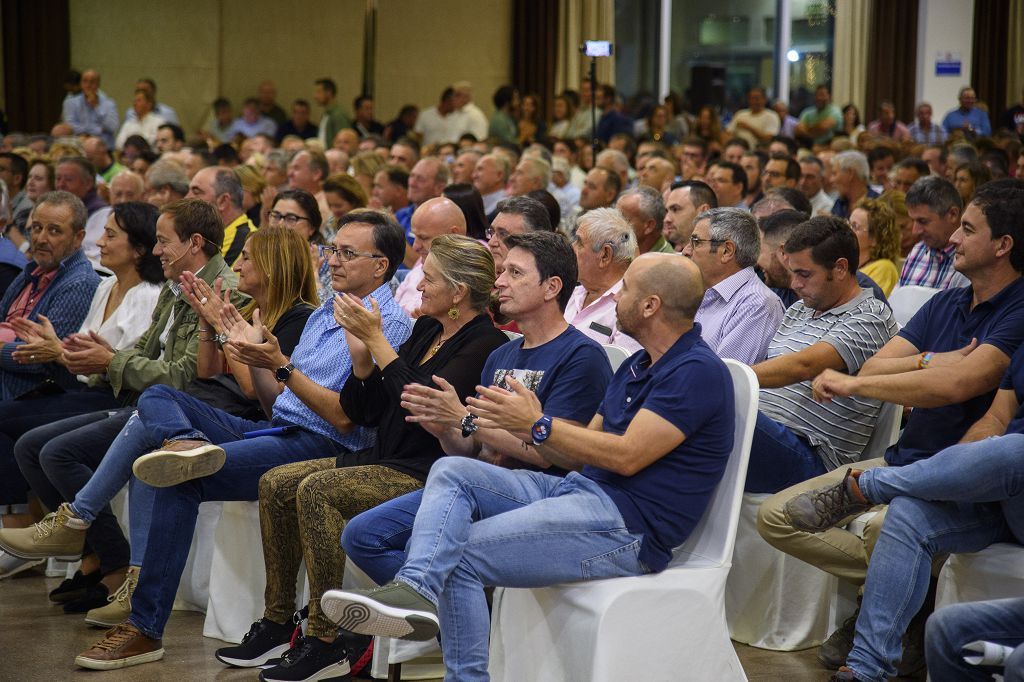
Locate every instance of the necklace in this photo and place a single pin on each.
(437, 346)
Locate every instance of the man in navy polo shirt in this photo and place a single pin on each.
(651, 459)
(946, 364)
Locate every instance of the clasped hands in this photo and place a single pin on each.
(435, 409)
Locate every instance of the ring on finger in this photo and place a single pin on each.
(203, 300)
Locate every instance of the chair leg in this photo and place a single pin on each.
(395, 672)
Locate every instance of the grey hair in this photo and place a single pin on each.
(963, 153)
(79, 215)
(226, 182)
(502, 162)
(167, 173)
(539, 170)
(278, 159)
(855, 161)
(652, 205)
(937, 193)
(739, 227)
(607, 226)
(619, 160)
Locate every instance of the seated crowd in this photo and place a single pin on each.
(390, 337)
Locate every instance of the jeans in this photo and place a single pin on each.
(59, 459)
(779, 458)
(950, 628)
(17, 417)
(113, 472)
(375, 540)
(961, 499)
(483, 525)
(168, 414)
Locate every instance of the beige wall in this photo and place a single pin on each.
(199, 49)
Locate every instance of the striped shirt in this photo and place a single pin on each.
(838, 430)
(928, 267)
(322, 355)
(739, 317)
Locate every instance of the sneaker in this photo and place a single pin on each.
(265, 641)
(360, 648)
(60, 534)
(119, 606)
(844, 674)
(95, 597)
(179, 461)
(392, 610)
(821, 509)
(121, 647)
(310, 659)
(74, 587)
(833, 651)
(12, 565)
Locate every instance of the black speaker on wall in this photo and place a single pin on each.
(707, 86)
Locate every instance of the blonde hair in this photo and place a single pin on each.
(283, 262)
(882, 228)
(463, 260)
(367, 163)
(251, 179)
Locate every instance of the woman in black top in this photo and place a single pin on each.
(304, 506)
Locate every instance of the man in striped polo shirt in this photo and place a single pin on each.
(836, 325)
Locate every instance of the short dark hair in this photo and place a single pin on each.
(388, 235)
(396, 175)
(738, 174)
(778, 226)
(793, 197)
(938, 194)
(829, 238)
(468, 199)
(792, 167)
(879, 153)
(737, 142)
(221, 103)
(694, 141)
(917, 164)
(1002, 203)
(790, 143)
(19, 166)
(226, 153)
(195, 216)
(176, 131)
(84, 166)
(327, 84)
(550, 204)
(503, 96)
(533, 212)
(138, 220)
(359, 100)
(700, 192)
(301, 102)
(308, 203)
(554, 258)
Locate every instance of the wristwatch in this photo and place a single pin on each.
(468, 425)
(283, 373)
(541, 430)
(221, 338)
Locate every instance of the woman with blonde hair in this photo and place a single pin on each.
(364, 167)
(253, 184)
(878, 237)
(304, 506)
(897, 201)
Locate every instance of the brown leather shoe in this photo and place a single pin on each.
(121, 647)
(178, 461)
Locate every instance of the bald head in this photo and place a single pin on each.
(675, 281)
(433, 218)
(126, 186)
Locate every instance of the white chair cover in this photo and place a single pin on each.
(616, 355)
(887, 431)
(905, 301)
(996, 572)
(666, 626)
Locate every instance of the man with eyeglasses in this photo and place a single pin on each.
(205, 457)
(780, 171)
(221, 188)
(516, 215)
(836, 325)
(432, 219)
(739, 314)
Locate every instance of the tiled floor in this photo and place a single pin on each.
(38, 642)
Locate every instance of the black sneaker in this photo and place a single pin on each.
(833, 651)
(96, 596)
(310, 659)
(360, 648)
(74, 587)
(265, 641)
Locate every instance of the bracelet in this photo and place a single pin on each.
(926, 359)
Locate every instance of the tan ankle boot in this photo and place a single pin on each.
(120, 606)
(60, 534)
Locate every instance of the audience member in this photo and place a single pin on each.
(221, 188)
(934, 206)
(850, 177)
(811, 176)
(819, 123)
(923, 130)
(756, 124)
(91, 112)
(729, 182)
(645, 211)
(683, 203)
(967, 118)
(325, 93)
(432, 218)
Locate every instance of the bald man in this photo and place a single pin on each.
(648, 464)
(431, 219)
(127, 186)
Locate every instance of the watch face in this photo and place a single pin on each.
(541, 431)
(282, 373)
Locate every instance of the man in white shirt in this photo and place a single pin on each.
(812, 173)
(467, 116)
(435, 124)
(757, 124)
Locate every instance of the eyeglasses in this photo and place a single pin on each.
(696, 241)
(289, 219)
(502, 233)
(344, 255)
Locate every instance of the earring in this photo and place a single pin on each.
(453, 313)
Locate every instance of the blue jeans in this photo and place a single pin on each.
(114, 470)
(779, 458)
(950, 628)
(168, 414)
(375, 540)
(483, 525)
(961, 499)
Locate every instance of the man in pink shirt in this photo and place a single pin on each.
(605, 245)
(433, 218)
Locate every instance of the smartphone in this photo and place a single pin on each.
(597, 48)
(272, 431)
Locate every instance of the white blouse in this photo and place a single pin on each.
(128, 321)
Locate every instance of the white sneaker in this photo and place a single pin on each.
(10, 565)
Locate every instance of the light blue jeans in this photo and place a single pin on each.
(950, 628)
(961, 499)
(375, 540)
(482, 525)
(114, 470)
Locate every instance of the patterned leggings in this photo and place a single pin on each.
(303, 509)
